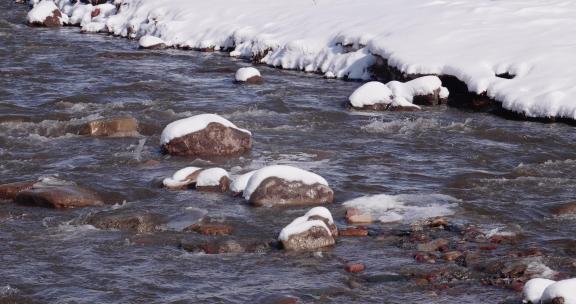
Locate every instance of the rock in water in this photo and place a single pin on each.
(248, 75)
(205, 135)
(151, 42)
(126, 219)
(46, 14)
(58, 196)
(309, 232)
(286, 185)
(111, 127)
(9, 191)
(213, 180)
(183, 178)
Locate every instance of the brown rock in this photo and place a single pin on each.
(568, 209)
(429, 99)
(356, 231)
(111, 127)
(214, 140)
(126, 219)
(354, 267)
(192, 178)
(54, 20)
(223, 186)
(211, 229)
(274, 191)
(314, 238)
(332, 226)
(254, 80)
(434, 245)
(9, 191)
(385, 107)
(355, 216)
(61, 196)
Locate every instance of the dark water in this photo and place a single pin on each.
(504, 174)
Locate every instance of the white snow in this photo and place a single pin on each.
(240, 182)
(192, 124)
(396, 93)
(243, 74)
(405, 207)
(473, 40)
(178, 179)
(304, 223)
(284, 172)
(565, 289)
(42, 10)
(533, 290)
(148, 41)
(211, 177)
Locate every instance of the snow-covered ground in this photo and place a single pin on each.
(474, 40)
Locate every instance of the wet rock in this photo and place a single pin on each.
(354, 267)
(58, 196)
(568, 209)
(226, 245)
(46, 14)
(140, 221)
(313, 238)
(9, 191)
(211, 229)
(274, 191)
(309, 232)
(354, 232)
(111, 127)
(215, 139)
(435, 245)
(355, 216)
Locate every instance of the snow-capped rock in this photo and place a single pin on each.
(248, 75)
(46, 14)
(395, 95)
(533, 290)
(309, 232)
(240, 182)
(287, 185)
(151, 42)
(213, 180)
(205, 135)
(561, 292)
(183, 178)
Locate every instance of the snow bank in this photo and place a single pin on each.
(243, 74)
(477, 41)
(193, 124)
(178, 179)
(240, 182)
(288, 173)
(534, 289)
(304, 223)
(210, 177)
(149, 41)
(405, 208)
(565, 289)
(43, 10)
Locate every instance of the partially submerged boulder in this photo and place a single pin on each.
(111, 127)
(248, 75)
(213, 180)
(141, 221)
(561, 292)
(567, 209)
(46, 14)
(239, 183)
(151, 42)
(314, 230)
(398, 96)
(183, 178)
(9, 191)
(58, 195)
(287, 185)
(205, 135)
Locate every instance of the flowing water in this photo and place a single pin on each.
(500, 174)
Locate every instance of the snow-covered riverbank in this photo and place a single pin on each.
(482, 43)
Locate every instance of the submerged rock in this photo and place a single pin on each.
(568, 209)
(286, 185)
(309, 232)
(226, 245)
(9, 191)
(140, 221)
(111, 127)
(205, 135)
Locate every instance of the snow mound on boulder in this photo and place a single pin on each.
(565, 289)
(405, 207)
(304, 223)
(533, 289)
(193, 124)
(211, 177)
(395, 93)
(43, 10)
(240, 182)
(178, 179)
(288, 173)
(243, 74)
(149, 41)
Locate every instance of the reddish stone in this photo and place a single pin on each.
(211, 229)
(355, 216)
(488, 247)
(9, 191)
(95, 12)
(359, 231)
(355, 267)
